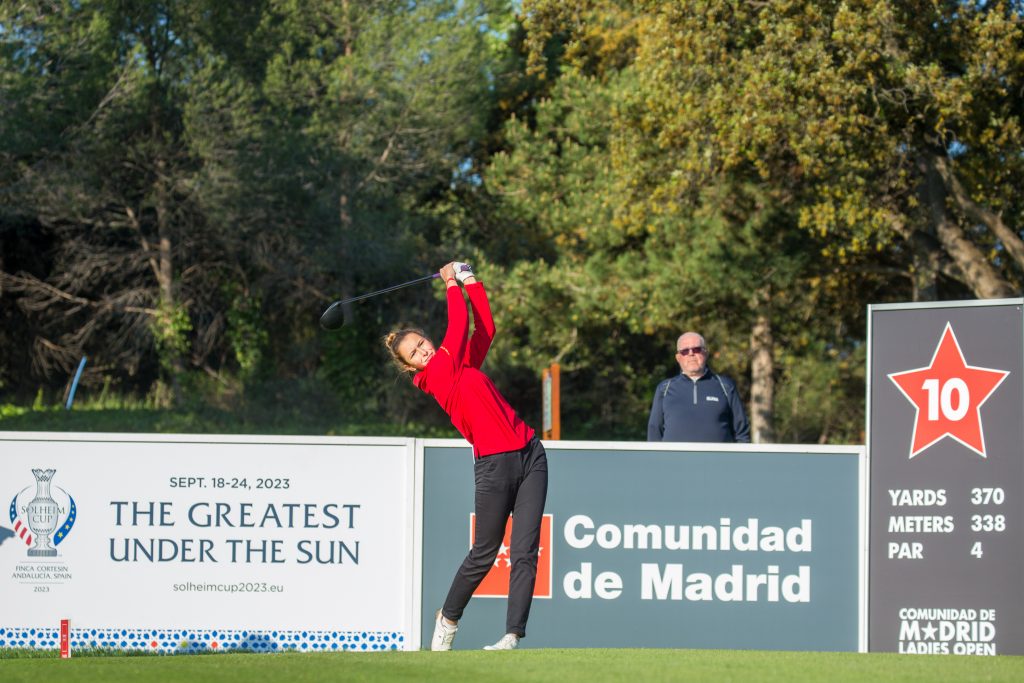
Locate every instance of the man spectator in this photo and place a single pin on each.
(697, 404)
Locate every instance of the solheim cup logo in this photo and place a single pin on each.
(37, 521)
(42, 515)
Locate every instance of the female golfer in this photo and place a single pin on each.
(510, 465)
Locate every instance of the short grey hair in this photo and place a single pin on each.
(703, 342)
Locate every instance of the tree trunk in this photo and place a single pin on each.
(1012, 242)
(762, 380)
(345, 266)
(346, 285)
(978, 273)
(926, 259)
(165, 283)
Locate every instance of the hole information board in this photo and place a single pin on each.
(946, 458)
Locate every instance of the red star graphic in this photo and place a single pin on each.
(948, 395)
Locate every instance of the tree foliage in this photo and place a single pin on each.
(185, 184)
(212, 177)
(734, 167)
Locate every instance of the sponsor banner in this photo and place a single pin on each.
(296, 543)
(946, 449)
(668, 545)
(495, 584)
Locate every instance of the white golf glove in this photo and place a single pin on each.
(463, 271)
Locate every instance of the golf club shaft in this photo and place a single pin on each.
(334, 317)
(389, 289)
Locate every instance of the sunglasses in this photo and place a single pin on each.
(691, 351)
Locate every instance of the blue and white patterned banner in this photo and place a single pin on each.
(171, 641)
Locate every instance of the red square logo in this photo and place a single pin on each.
(495, 584)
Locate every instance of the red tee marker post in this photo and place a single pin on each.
(552, 421)
(65, 639)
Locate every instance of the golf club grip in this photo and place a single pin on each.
(334, 317)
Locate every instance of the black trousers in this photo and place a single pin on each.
(513, 483)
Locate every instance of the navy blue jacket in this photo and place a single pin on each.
(707, 409)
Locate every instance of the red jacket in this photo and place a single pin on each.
(453, 378)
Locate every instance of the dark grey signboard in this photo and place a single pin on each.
(946, 454)
(650, 546)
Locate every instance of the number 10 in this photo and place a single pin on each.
(944, 399)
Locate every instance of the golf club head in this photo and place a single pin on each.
(333, 318)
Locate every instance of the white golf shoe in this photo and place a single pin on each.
(509, 641)
(444, 634)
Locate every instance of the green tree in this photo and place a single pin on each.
(212, 175)
(890, 125)
(370, 113)
(652, 168)
(110, 176)
(886, 135)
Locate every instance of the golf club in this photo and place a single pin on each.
(334, 318)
